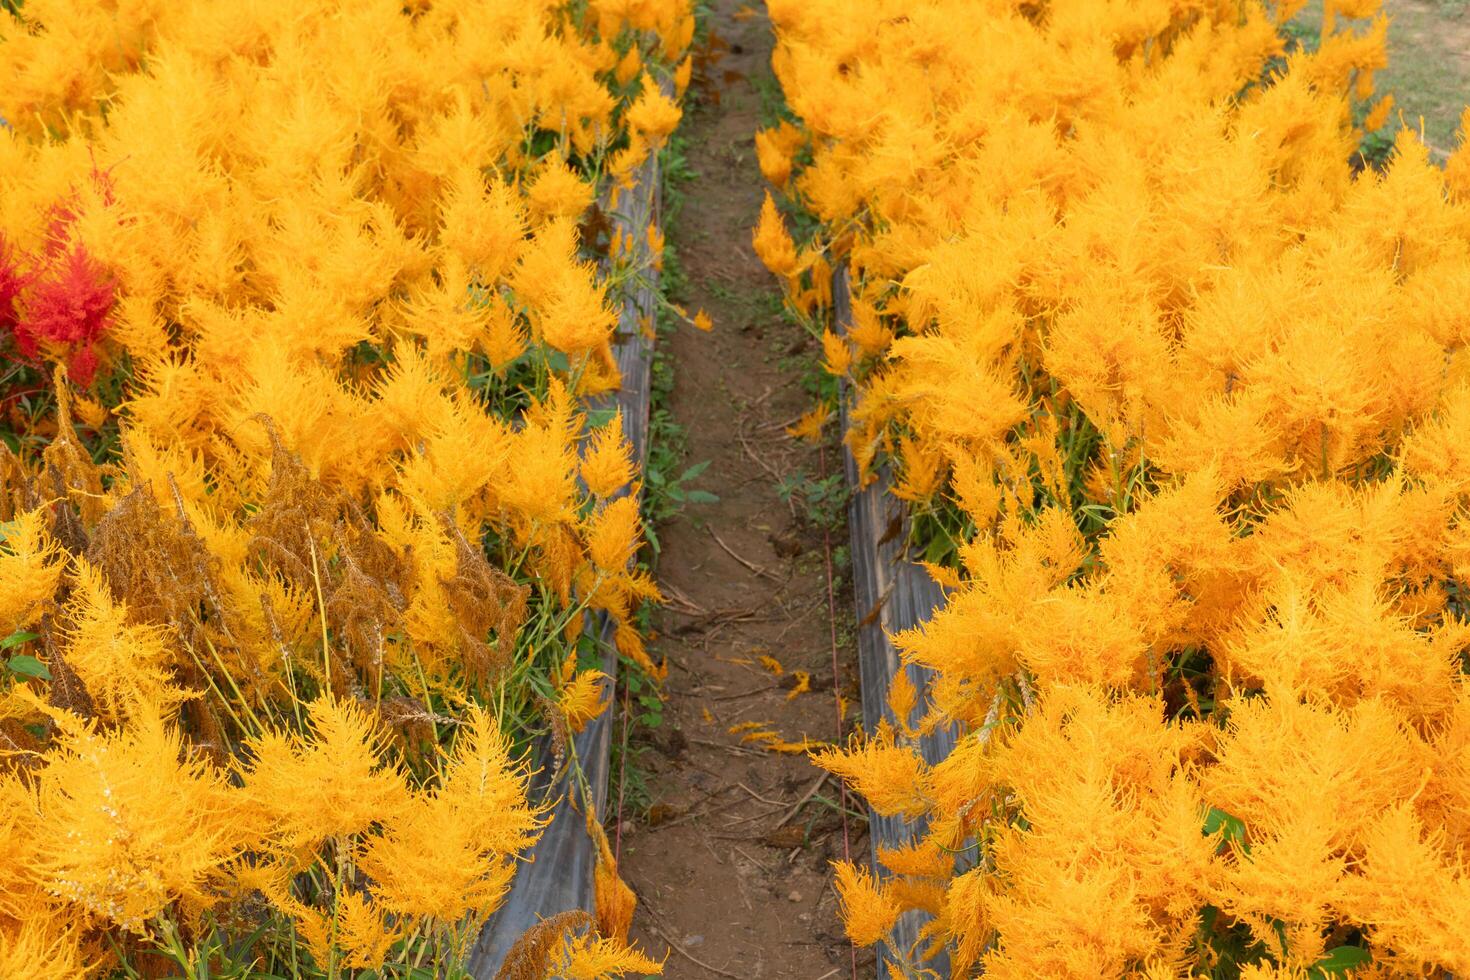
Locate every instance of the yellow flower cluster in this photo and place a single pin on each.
(1184, 383)
(333, 266)
(127, 831)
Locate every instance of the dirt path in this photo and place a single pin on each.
(728, 868)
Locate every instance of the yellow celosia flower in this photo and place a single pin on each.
(1414, 891)
(772, 242)
(355, 927)
(24, 895)
(483, 225)
(587, 957)
(1457, 167)
(1267, 971)
(125, 667)
(506, 337)
(581, 699)
(569, 310)
(613, 900)
(902, 698)
(1103, 788)
(654, 115)
(446, 312)
(867, 913)
(809, 426)
(923, 859)
(43, 946)
(130, 828)
(449, 852)
(629, 159)
(612, 534)
(923, 471)
(628, 66)
(761, 735)
(837, 354)
(607, 465)
(630, 644)
(557, 192)
(31, 565)
(774, 149)
(889, 776)
(330, 784)
(542, 486)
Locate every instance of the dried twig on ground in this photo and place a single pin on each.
(752, 566)
(760, 797)
(758, 459)
(719, 617)
(676, 600)
(734, 749)
(745, 694)
(796, 808)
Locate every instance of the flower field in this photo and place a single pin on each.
(357, 492)
(1174, 385)
(301, 514)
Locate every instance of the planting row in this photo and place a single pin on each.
(1172, 380)
(303, 511)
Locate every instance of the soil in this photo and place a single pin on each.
(729, 853)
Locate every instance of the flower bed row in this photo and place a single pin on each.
(302, 511)
(1170, 382)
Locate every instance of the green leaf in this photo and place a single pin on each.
(694, 471)
(701, 497)
(1217, 820)
(598, 417)
(937, 550)
(1341, 960)
(16, 639)
(28, 666)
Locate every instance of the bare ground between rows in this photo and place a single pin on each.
(730, 862)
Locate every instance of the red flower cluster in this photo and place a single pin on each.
(71, 305)
(68, 298)
(12, 281)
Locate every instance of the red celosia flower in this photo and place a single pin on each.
(82, 365)
(12, 280)
(72, 306)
